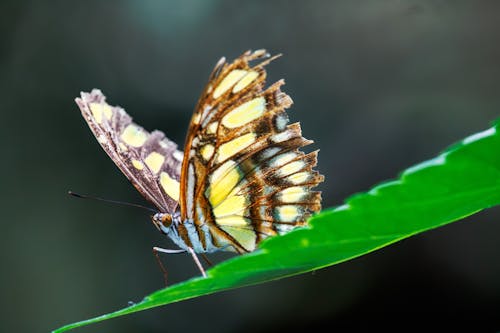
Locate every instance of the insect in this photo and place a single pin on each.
(241, 177)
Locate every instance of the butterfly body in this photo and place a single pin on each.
(241, 177)
(184, 233)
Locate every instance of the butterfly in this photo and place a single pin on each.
(241, 177)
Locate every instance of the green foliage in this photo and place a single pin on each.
(462, 181)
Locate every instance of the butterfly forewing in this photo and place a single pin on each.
(149, 160)
(243, 176)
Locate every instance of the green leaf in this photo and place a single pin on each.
(462, 181)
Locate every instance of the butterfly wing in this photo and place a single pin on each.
(150, 161)
(243, 176)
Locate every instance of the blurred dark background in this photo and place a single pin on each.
(379, 85)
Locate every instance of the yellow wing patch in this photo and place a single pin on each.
(170, 185)
(288, 213)
(212, 128)
(299, 178)
(245, 236)
(232, 205)
(154, 161)
(245, 113)
(292, 194)
(134, 136)
(233, 221)
(100, 109)
(137, 164)
(245, 81)
(292, 167)
(228, 82)
(234, 146)
(207, 151)
(222, 182)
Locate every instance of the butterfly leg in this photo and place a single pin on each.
(157, 250)
(197, 261)
(209, 263)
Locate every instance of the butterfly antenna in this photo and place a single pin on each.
(82, 196)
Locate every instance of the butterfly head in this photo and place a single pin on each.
(162, 221)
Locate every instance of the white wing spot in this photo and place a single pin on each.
(283, 159)
(178, 155)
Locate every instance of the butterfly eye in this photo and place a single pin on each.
(162, 221)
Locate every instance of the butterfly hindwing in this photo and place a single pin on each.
(243, 175)
(149, 160)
